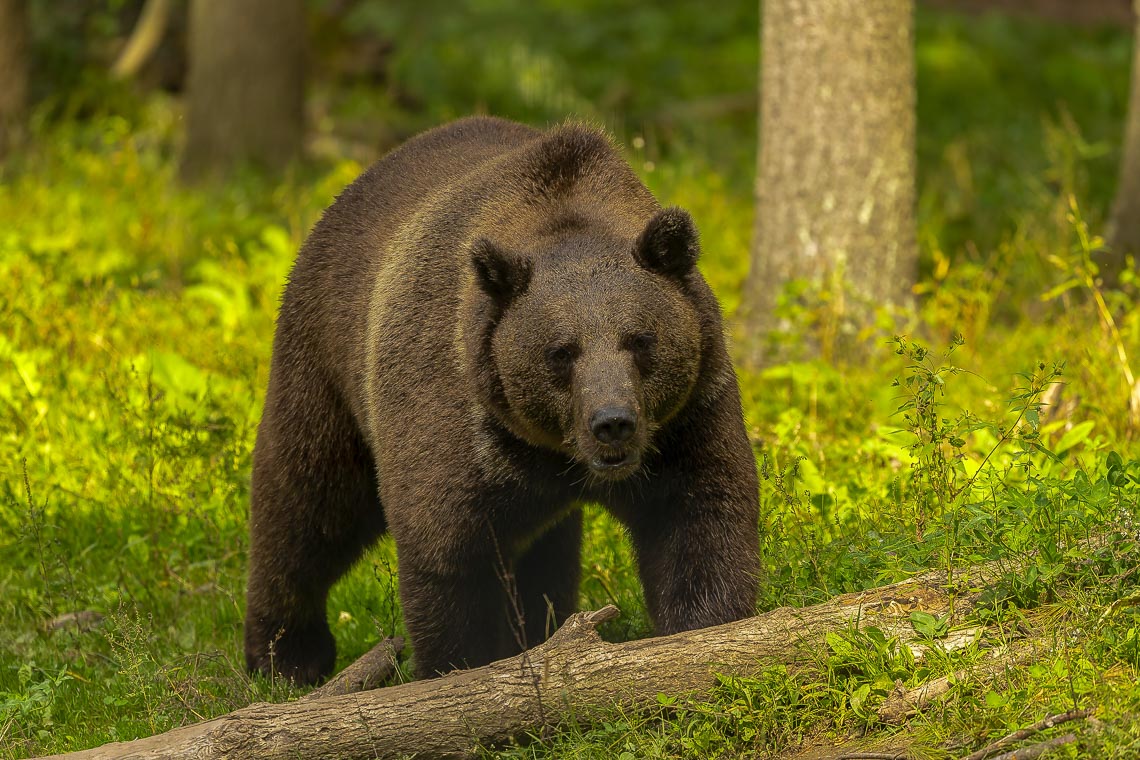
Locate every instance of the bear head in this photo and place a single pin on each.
(588, 342)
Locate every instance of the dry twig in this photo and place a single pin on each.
(1037, 750)
(1025, 733)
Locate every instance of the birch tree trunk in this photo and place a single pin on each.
(835, 192)
(245, 88)
(145, 38)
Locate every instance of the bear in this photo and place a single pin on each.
(490, 327)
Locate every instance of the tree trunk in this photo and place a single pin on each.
(835, 191)
(13, 72)
(1124, 225)
(573, 677)
(245, 89)
(145, 38)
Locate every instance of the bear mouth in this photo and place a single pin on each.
(615, 465)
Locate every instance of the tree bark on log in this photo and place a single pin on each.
(574, 677)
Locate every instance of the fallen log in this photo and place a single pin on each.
(575, 676)
(372, 669)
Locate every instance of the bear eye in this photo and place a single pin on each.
(641, 342)
(560, 357)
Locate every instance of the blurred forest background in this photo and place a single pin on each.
(922, 223)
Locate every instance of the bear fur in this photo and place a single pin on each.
(491, 326)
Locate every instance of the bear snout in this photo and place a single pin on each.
(616, 428)
(613, 425)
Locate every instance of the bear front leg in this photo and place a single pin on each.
(457, 618)
(695, 532)
(696, 568)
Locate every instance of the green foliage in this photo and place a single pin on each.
(137, 321)
(626, 63)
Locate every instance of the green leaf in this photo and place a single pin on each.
(838, 644)
(995, 700)
(184, 383)
(27, 371)
(929, 626)
(859, 697)
(1064, 287)
(1075, 435)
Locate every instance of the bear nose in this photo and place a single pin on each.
(613, 424)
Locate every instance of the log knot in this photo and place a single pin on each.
(580, 626)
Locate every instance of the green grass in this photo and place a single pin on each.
(137, 319)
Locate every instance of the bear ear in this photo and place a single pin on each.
(669, 245)
(501, 274)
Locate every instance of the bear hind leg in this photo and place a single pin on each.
(314, 510)
(546, 583)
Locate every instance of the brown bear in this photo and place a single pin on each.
(490, 327)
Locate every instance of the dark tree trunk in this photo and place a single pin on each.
(1124, 225)
(836, 170)
(245, 90)
(13, 72)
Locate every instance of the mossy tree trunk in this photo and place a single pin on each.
(1124, 226)
(245, 89)
(835, 191)
(13, 72)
